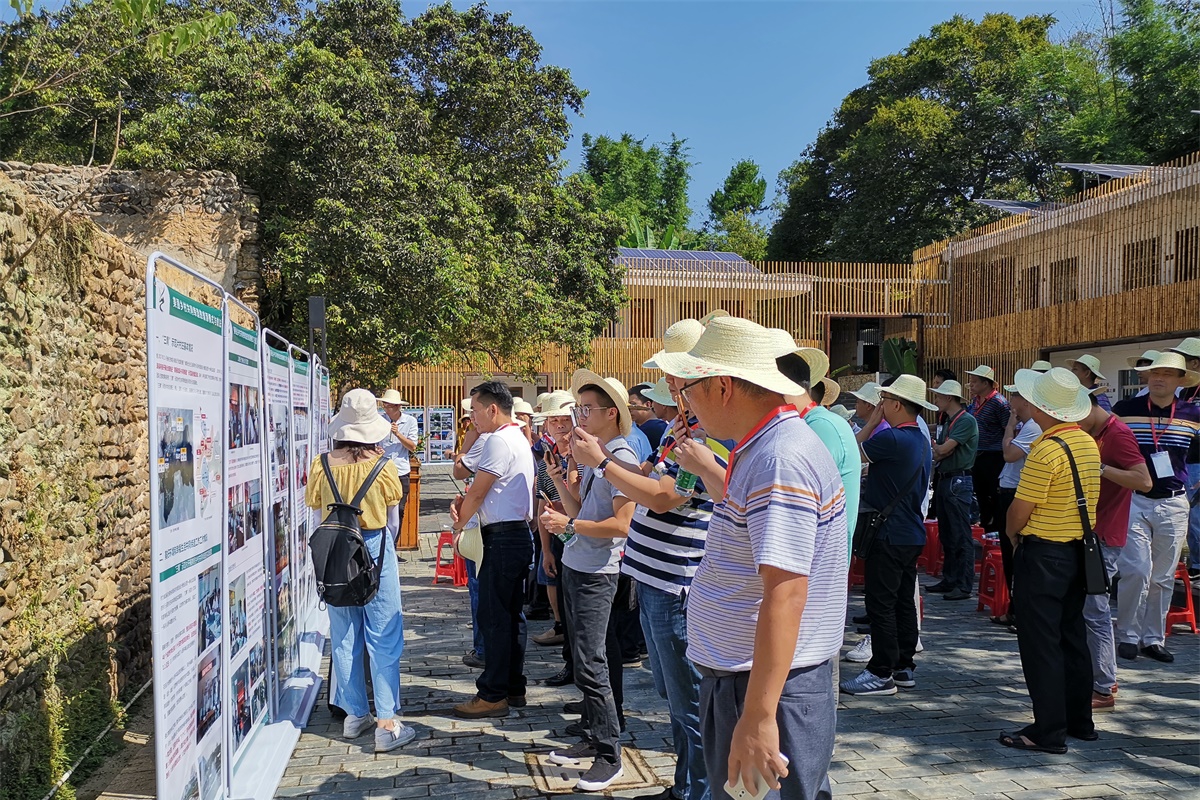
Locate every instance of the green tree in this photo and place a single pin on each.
(738, 232)
(743, 192)
(636, 180)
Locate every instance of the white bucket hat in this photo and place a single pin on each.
(1189, 347)
(660, 393)
(541, 398)
(737, 348)
(466, 405)
(1022, 374)
(1173, 360)
(868, 393)
(392, 398)
(983, 371)
(358, 419)
(1148, 355)
(679, 338)
(842, 412)
(1057, 393)
(833, 390)
(951, 389)
(521, 406)
(612, 387)
(1041, 366)
(910, 388)
(556, 404)
(1089, 361)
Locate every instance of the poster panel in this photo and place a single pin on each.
(422, 415)
(304, 584)
(279, 514)
(245, 552)
(441, 434)
(185, 351)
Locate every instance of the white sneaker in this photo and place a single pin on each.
(862, 651)
(390, 738)
(354, 727)
(920, 647)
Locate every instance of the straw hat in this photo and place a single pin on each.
(679, 338)
(1041, 366)
(466, 405)
(842, 412)
(833, 390)
(612, 387)
(910, 388)
(714, 314)
(392, 398)
(358, 419)
(816, 363)
(541, 398)
(1089, 361)
(1057, 393)
(868, 393)
(1189, 347)
(1026, 374)
(1148, 355)
(521, 406)
(660, 393)
(983, 371)
(954, 389)
(737, 348)
(1173, 360)
(556, 404)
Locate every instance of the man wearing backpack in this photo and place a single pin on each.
(502, 495)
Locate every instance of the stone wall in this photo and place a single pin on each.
(74, 515)
(207, 220)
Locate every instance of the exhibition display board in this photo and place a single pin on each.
(237, 635)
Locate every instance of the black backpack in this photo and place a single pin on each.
(346, 574)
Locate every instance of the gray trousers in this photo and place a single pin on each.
(1097, 616)
(589, 602)
(807, 719)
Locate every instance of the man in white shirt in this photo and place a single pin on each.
(502, 495)
(401, 442)
(1020, 433)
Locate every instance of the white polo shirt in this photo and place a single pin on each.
(506, 454)
(398, 453)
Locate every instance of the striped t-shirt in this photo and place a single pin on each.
(664, 550)
(784, 507)
(1171, 429)
(1047, 483)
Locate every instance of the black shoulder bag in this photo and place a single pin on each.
(1094, 573)
(345, 572)
(869, 523)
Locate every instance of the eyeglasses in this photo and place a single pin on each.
(586, 411)
(683, 389)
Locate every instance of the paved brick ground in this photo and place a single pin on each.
(936, 741)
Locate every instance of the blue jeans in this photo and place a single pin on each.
(1193, 534)
(664, 621)
(379, 627)
(473, 591)
(954, 529)
(507, 549)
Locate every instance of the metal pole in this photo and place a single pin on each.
(316, 321)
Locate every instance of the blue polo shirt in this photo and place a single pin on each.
(894, 455)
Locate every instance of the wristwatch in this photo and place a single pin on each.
(603, 464)
(569, 530)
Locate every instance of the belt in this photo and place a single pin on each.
(1163, 495)
(709, 672)
(509, 526)
(1040, 540)
(954, 473)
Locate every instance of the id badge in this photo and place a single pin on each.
(1161, 463)
(938, 436)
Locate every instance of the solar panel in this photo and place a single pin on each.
(1108, 170)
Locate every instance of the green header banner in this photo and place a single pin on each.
(249, 362)
(245, 337)
(278, 357)
(191, 562)
(198, 314)
(301, 367)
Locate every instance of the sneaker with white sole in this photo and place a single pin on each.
(390, 738)
(868, 683)
(920, 647)
(354, 727)
(600, 776)
(861, 653)
(573, 756)
(905, 678)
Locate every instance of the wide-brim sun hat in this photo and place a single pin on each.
(660, 393)
(716, 313)
(951, 389)
(802, 364)
(1148, 355)
(842, 412)
(737, 348)
(358, 419)
(466, 405)
(1022, 374)
(1057, 393)
(1173, 360)
(612, 387)
(868, 393)
(541, 398)
(1041, 366)
(1089, 361)
(556, 404)
(680, 337)
(1189, 347)
(909, 388)
(392, 398)
(983, 371)
(521, 406)
(833, 390)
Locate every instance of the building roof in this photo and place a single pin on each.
(685, 261)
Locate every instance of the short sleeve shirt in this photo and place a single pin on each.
(963, 429)
(654, 430)
(640, 445)
(992, 416)
(507, 456)
(398, 453)
(1171, 428)
(1118, 448)
(838, 437)
(784, 507)
(589, 553)
(1029, 433)
(384, 492)
(1047, 483)
(896, 457)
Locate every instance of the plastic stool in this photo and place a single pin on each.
(931, 557)
(455, 569)
(1185, 614)
(858, 573)
(993, 591)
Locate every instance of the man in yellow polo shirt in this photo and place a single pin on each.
(1048, 586)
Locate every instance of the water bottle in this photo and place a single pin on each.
(685, 483)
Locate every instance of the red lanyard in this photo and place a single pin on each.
(757, 429)
(811, 405)
(506, 425)
(907, 425)
(984, 401)
(671, 445)
(1154, 431)
(950, 425)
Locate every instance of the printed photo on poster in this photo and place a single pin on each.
(302, 463)
(280, 518)
(257, 662)
(283, 594)
(300, 422)
(237, 615)
(209, 765)
(176, 467)
(237, 517)
(244, 425)
(280, 419)
(258, 705)
(209, 621)
(208, 692)
(209, 470)
(254, 521)
(242, 718)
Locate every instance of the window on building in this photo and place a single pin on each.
(1129, 384)
(1187, 254)
(1139, 264)
(641, 319)
(1030, 290)
(1064, 281)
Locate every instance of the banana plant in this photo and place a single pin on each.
(900, 356)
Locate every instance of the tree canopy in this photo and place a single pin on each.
(742, 193)
(639, 181)
(409, 169)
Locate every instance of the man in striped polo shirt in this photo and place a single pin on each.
(766, 609)
(1046, 528)
(990, 410)
(1165, 427)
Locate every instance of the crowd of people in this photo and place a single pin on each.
(713, 515)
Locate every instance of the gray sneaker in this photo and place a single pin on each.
(905, 678)
(573, 756)
(600, 776)
(390, 738)
(354, 727)
(868, 683)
